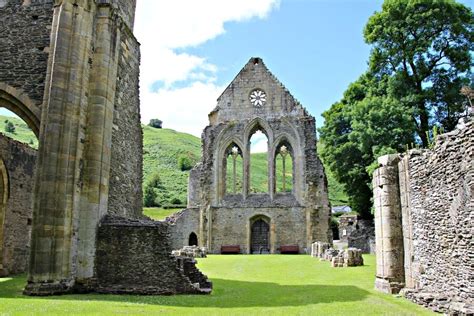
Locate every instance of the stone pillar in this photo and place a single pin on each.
(58, 180)
(95, 189)
(390, 275)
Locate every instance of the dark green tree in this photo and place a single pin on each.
(425, 46)
(156, 123)
(185, 162)
(149, 196)
(9, 127)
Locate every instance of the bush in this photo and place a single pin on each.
(176, 201)
(155, 181)
(156, 123)
(9, 127)
(185, 162)
(149, 197)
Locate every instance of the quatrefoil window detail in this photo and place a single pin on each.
(258, 98)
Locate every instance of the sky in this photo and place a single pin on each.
(191, 50)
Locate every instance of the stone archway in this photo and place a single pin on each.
(193, 239)
(3, 206)
(260, 236)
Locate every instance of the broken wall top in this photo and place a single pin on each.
(255, 91)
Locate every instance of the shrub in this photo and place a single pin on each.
(149, 196)
(185, 162)
(156, 123)
(9, 127)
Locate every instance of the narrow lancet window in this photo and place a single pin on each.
(234, 167)
(284, 169)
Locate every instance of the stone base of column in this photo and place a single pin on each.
(387, 286)
(45, 289)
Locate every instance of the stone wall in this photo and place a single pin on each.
(182, 224)
(434, 215)
(24, 50)
(15, 216)
(125, 193)
(297, 217)
(134, 256)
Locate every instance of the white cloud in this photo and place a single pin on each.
(258, 143)
(164, 26)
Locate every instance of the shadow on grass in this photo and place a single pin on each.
(226, 294)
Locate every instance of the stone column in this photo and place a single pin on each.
(58, 179)
(390, 275)
(95, 189)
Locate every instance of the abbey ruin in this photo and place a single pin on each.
(70, 70)
(71, 212)
(223, 210)
(424, 215)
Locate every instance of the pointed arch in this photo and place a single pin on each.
(20, 104)
(193, 239)
(232, 169)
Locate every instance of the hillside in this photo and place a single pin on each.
(22, 132)
(162, 148)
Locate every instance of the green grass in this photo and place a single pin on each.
(22, 132)
(243, 285)
(159, 214)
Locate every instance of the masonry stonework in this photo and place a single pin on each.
(17, 162)
(424, 210)
(70, 69)
(297, 217)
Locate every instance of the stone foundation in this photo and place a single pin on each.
(134, 256)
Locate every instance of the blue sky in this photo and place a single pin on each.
(191, 50)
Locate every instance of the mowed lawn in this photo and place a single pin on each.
(243, 285)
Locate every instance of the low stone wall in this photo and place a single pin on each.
(425, 207)
(134, 256)
(182, 225)
(363, 236)
(19, 161)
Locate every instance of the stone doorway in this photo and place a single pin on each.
(259, 237)
(193, 239)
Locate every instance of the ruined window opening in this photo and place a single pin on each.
(233, 170)
(284, 169)
(258, 169)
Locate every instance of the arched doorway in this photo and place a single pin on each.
(260, 237)
(193, 239)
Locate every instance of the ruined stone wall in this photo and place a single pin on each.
(436, 211)
(439, 185)
(125, 193)
(24, 45)
(182, 224)
(231, 226)
(225, 217)
(134, 256)
(19, 160)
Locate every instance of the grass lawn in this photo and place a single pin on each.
(243, 285)
(159, 214)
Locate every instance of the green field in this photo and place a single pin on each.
(159, 214)
(22, 132)
(243, 285)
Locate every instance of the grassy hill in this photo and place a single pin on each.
(162, 150)
(163, 147)
(22, 132)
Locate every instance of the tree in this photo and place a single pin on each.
(156, 123)
(149, 196)
(365, 124)
(424, 45)
(9, 127)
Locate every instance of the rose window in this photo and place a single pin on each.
(258, 98)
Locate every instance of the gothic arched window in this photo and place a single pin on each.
(284, 168)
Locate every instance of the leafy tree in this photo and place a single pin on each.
(362, 126)
(424, 45)
(156, 123)
(149, 196)
(9, 127)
